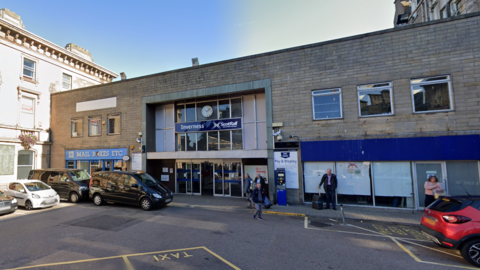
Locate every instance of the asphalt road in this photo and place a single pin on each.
(84, 236)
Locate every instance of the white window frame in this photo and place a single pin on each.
(99, 125)
(63, 81)
(34, 114)
(327, 92)
(77, 119)
(112, 116)
(23, 77)
(375, 86)
(450, 91)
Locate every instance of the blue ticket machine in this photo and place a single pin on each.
(281, 188)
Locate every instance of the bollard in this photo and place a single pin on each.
(343, 214)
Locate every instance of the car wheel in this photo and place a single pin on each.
(146, 204)
(471, 251)
(73, 197)
(28, 205)
(97, 199)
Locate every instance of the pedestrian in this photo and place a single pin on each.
(261, 180)
(431, 187)
(258, 196)
(248, 189)
(329, 182)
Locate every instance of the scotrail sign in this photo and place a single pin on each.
(211, 125)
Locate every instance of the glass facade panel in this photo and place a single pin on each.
(354, 183)
(184, 177)
(462, 178)
(190, 112)
(312, 174)
(180, 142)
(236, 104)
(224, 140)
(191, 142)
(237, 140)
(202, 141)
(224, 109)
(213, 141)
(423, 171)
(207, 111)
(180, 113)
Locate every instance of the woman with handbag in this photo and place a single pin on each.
(432, 187)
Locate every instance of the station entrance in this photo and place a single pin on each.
(218, 177)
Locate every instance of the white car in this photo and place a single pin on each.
(32, 194)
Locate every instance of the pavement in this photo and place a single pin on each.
(389, 215)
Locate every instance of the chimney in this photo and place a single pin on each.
(195, 62)
(122, 74)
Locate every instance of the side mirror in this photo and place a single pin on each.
(134, 185)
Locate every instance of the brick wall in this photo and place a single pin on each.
(395, 55)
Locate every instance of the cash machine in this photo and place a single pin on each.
(281, 188)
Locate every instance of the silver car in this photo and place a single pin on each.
(8, 204)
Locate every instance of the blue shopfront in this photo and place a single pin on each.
(392, 172)
(92, 160)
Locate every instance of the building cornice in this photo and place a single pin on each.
(24, 38)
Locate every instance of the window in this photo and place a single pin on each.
(77, 127)
(225, 140)
(66, 82)
(24, 163)
(29, 68)
(94, 126)
(432, 94)
(213, 141)
(375, 99)
(27, 112)
(237, 140)
(113, 124)
(327, 104)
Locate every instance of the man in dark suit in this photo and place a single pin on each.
(329, 182)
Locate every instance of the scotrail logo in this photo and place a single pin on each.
(225, 125)
(216, 125)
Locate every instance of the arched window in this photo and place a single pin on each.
(25, 164)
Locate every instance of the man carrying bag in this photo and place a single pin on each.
(329, 182)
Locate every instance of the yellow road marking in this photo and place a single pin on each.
(434, 249)
(222, 259)
(406, 250)
(450, 265)
(283, 214)
(155, 257)
(127, 262)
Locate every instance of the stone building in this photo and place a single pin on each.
(383, 110)
(31, 69)
(418, 11)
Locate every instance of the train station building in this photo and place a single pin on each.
(383, 110)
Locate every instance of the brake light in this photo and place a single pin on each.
(456, 219)
(447, 244)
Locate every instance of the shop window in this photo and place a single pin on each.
(24, 164)
(77, 127)
(393, 184)
(29, 69)
(224, 109)
(462, 177)
(114, 124)
(237, 140)
(94, 126)
(207, 111)
(27, 112)
(312, 175)
(375, 99)
(225, 140)
(354, 183)
(327, 104)
(432, 94)
(66, 81)
(213, 141)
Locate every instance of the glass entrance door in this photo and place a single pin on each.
(207, 178)
(233, 178)
(423, 170)
(184, 177)
(218, 176)
(108, 165)
(196, 178)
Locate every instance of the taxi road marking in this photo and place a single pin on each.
(396, 241)
(127, 262)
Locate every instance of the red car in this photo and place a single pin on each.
(454, 222)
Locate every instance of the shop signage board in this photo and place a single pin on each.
(136, 161)
(289, 161)
(96, 154)
(211, 125)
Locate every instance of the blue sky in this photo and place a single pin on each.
(151, 36)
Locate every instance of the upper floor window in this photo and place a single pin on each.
(27, 112)
(432, 94)
(210, 110)
(113, 123)
(327, 104)
(94, 126)
(375, 99)
(66, 82)
(29, 68)
(77, 127)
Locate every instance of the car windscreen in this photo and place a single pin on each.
(2, 194)
(36, 186)
(79, 175)
(449, 205)
(147, 179)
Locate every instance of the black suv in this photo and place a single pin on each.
(134, 188)
(70, 184)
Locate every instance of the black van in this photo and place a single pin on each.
(134, 188)
(70, 184)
